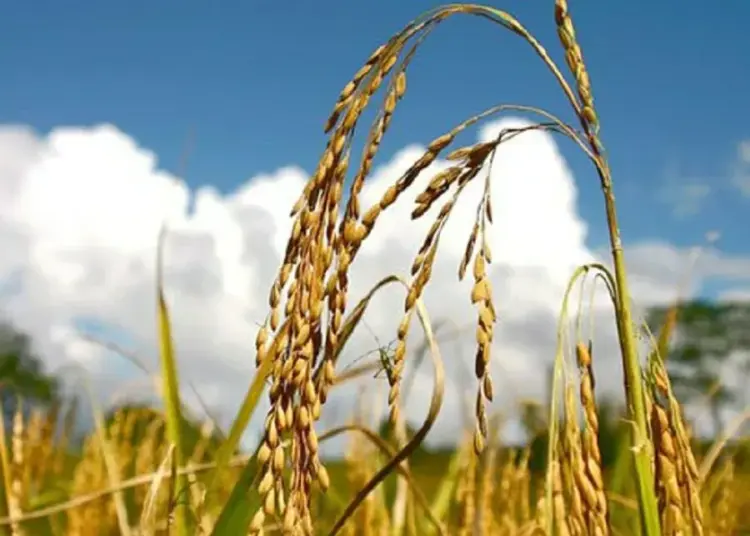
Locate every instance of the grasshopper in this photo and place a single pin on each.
(386, 355)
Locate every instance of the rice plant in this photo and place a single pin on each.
(146, 478)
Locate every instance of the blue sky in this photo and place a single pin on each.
(253, 82)
(247, 87)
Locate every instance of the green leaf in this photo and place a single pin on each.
(171, 392)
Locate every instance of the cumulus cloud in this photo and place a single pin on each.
(80, 210)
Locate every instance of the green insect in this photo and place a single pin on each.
(386, 355)
(385, 360)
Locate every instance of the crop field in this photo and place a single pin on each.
(585, 468)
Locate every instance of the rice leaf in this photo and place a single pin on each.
(171, 391)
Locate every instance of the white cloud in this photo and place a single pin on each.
(685, 196)
(81, 209)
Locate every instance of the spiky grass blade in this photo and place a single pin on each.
(236, 515)
(171, 390)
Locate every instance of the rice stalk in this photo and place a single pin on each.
(671, 504)
(580, 494)
(321, 242)
(171, 389)
(688, 473)
(554, 499)
(627, 337)
(597, 519)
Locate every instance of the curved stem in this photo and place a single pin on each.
(435, 405)
(385, 448)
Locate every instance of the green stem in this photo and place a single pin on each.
(631, 367)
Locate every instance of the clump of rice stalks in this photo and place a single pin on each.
(576, 500)
(575, 479)
(30, 460)
(297, 348)
(309, 296)
(677, 476)
(493, 493)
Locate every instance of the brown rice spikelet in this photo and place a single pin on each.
(596, 513)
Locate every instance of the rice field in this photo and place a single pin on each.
(143, 472)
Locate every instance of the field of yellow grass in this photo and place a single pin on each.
(56, 488)
(142, 471)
